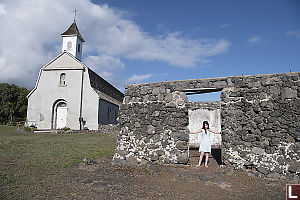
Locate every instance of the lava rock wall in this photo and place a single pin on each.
(260, 121)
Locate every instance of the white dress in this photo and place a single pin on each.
(205, 145)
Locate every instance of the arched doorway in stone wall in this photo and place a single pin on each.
(59, 114)
(204, 108)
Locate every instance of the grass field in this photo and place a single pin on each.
(33, 163)
(49, 166)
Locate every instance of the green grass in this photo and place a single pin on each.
(31, 161)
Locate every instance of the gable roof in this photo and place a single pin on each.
(99, 84)
(48, 66)
(73, 31)
(64, 60)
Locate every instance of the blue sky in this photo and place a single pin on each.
(266, 22)
(273, 52)
(158, 40)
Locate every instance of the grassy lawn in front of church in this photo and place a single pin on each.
(31, 163)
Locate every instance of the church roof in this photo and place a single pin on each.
(73, 30)
(99, 84)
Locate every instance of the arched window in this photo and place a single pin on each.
(78, 48)
(69, 46)
(61, 104)
(62, 80)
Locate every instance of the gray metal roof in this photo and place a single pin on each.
(73, 30)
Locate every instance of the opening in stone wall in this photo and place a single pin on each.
(204, 105)
(211, 96)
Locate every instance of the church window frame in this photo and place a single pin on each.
(78, 48)
(69, 46)
(63, 80)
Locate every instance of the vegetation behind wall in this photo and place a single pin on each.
(13, 103)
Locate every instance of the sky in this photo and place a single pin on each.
(133, 41)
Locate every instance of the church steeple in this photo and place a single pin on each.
(72, 41)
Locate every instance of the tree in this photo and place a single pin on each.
(13, 103)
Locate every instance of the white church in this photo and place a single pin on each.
(69, 94)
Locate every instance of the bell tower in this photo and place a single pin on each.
(72, 41)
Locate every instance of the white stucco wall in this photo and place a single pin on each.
(75, 41)
(89, 104)
(196, 118)
(48, 91)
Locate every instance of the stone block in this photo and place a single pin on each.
(262, 170)
(131, 160)
(180, 136)
(229, 82)
(274, 89)
(122, 152)
(219, 84)
(266, 142)
(169, 98)
(152, 146)
(249, 138)
(258, 151)
(288, 93)
(258, 120)
(174, 152)
(281, 160)
(155, 91)
(146, 97)
(160, 152)
(143, 162)
(183, 158)
(265, 81)
(240, 83)
(274, 175)
(253, 85)
(144, 91)
(137, 124)
(183, 96)
(150, 129)
(155, 113)
(181, 145)
(294, 166)
(160, 97)
(153, 158)
(119, 161)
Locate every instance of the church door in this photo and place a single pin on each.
(61, 115)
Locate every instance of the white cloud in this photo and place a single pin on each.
(30, 36)
(254, 39)
(2, 10)
(293, 33)
(107, 67)
(224, 25)
(138, 78)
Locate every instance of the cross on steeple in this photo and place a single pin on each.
(75, 14)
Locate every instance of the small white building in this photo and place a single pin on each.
(69, 94)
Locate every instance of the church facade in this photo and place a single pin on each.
(69, 94)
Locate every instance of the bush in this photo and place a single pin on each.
(11, 124)
(65, 129)
(25, 129)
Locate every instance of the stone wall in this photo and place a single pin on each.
(259, 120)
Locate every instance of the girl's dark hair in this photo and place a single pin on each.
(203, 127)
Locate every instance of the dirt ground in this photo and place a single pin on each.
(105, 180)
(47, 166)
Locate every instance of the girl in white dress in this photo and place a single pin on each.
(205, 144)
